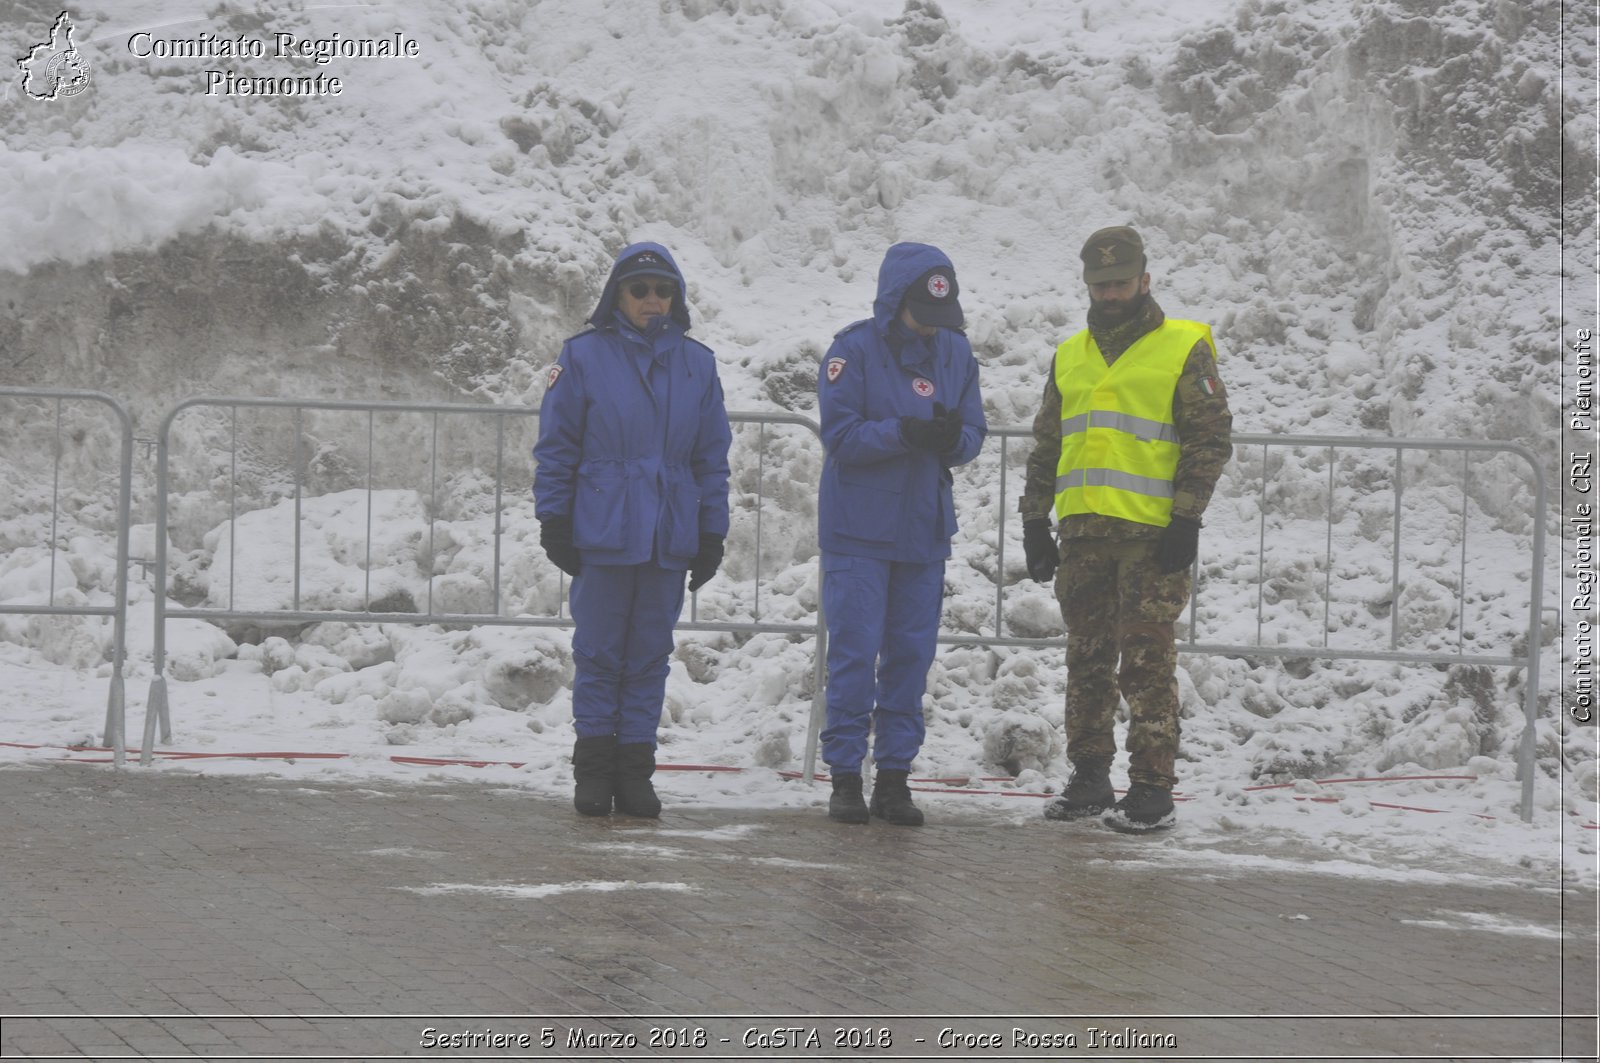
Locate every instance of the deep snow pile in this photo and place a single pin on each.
(1360, 196)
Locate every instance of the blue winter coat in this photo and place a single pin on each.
(880, 497)
(633, 437)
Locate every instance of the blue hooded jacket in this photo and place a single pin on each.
(879, 496)
(633, 436)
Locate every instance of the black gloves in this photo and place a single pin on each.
(938, 434)
(919, 434)
(1175, 550)
(1040, 547)
(949, 422)
(706, 562)
(555, 535)
(1178, 545)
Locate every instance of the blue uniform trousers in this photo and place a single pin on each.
(883, 622)
(620, 648)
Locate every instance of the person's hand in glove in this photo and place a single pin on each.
(1040, 547)
(938, 433)
(555, 535)
(949, 427)
(922, 434)
(1178, 545)
(706, 562)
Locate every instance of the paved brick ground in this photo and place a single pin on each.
(149, 914)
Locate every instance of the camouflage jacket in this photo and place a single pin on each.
(1199, 411)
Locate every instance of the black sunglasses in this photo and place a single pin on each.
(664, 289)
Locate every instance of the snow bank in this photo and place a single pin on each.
(1358, 197)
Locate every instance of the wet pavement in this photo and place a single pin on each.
(172, 915)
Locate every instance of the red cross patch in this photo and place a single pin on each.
(835, 367)
(938, 286)
(555, 373)
(923, 386)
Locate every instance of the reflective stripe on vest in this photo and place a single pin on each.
(1119, 447)
(1134, 426)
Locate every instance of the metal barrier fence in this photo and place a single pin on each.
(1527, 660)
(117, 612)
(300, 459)
(157, 710)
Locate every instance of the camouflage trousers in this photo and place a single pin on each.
(1119, 613)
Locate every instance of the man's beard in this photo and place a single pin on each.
(1112, 312)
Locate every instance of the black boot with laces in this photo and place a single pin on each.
(846, 805)
(891, 799)
(1143, 808)
(1088, 793)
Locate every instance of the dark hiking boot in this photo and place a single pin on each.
(1144, 807)
(593, 763)
(891, 799)
(847, 805)
(1088, 793)
(636, 762)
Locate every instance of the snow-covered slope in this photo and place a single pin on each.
(1363, 197)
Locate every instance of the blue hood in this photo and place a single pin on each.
(902, 264)
(604, 315)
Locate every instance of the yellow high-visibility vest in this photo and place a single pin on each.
(1119, 447)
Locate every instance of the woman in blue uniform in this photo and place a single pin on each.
(631, 491)
(900, 406)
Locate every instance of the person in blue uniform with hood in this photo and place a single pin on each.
(900, 407)
(631, 492)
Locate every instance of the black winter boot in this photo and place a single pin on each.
(636, 762)
(891, 799)
(846, 804)
(593, 763)
(1144, 807)
(1088, 793)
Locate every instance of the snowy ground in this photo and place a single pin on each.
(429, 715)
(1337, 187)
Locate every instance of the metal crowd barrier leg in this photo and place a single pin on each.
(114, 735)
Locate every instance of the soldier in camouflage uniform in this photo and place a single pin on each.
(1131, 436)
